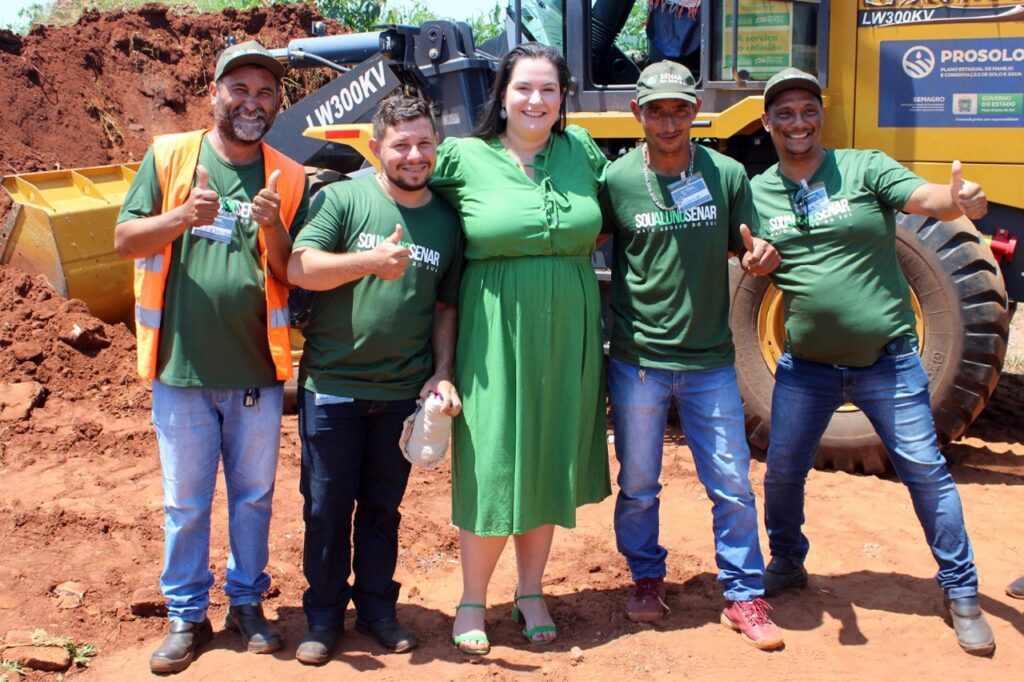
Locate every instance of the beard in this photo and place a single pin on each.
(404, 184)
(234, 128)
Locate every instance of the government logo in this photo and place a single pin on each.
(918, 61)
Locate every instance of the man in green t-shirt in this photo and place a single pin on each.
(677, 210)
(207, 220)
(850, 334)
(385, 254)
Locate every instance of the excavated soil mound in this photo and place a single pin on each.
(57, 343)
(53, 351)
(97, 92)
(90, 94)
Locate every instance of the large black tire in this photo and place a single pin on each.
(963, 320)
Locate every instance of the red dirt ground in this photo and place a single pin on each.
(80, 487)
(81, 501)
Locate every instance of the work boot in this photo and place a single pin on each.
(179, 647)
(1016, 588)
(647, 603)
(390, 634)
(259, 634)
(972, 630)
(782, 574)
(750, 619)
(317, 646)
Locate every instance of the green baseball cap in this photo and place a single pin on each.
(788, 79)
(249, 52)
(666, 80)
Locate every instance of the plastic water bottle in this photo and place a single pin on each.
(430, 433)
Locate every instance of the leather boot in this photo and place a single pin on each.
(1016, 588)
(390, 634)
(317, 646)
(972, 630)
(259, 634)
(782, 574)
(179, 647)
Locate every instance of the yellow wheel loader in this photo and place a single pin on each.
(926, 81)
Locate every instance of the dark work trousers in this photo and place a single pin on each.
(351, 459)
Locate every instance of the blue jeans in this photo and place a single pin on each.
(893, 393)
(195, 429)
(711, 415)
(351, 459)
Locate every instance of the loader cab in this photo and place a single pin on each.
(768, 36)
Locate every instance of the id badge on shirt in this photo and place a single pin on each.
(325, 399)
(221, 230)
(815, 198)
(690, 192)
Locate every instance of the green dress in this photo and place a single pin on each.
(530, 445)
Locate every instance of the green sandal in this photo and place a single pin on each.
(531, 633)
(472, 635)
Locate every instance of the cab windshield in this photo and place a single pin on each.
(771, 35)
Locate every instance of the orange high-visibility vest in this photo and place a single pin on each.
(176, 157)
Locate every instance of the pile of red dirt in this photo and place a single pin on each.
(56, 342)
(52, 349)
(91, 94)
(98, 91)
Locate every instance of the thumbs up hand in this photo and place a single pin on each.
(203, 203)
(968, 196)
(266, 207)
(389, 259)
(748, 238)
(396, 236)
(760, 257)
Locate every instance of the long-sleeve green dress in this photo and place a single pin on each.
(529, 447)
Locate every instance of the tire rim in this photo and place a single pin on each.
(771, 330)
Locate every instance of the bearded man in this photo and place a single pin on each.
(207, 222)
(385, 253)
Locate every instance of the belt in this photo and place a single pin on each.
(901, 345)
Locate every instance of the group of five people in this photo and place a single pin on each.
(463, 269)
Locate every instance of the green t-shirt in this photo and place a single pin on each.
(213, 332)
(670, 276)
(843, 294)
(370, 338)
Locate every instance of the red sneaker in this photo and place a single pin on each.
(647, 604)
(750, 619)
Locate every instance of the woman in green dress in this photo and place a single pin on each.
(530, 446)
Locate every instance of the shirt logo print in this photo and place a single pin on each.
(664, 221)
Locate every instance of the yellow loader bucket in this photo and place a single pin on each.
(62, 226)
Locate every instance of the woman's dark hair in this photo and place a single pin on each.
(491, 123)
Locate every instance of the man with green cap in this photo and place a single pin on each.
(207, 221)
(677, 211)
(850, 334)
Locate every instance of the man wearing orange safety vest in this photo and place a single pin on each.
(207, 221)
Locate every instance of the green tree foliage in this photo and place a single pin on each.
(35, 13)
(632, 39)
(358, 15)
(362, 15)
(485, 25)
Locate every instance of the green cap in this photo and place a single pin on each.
(666, 80)
(249, 52)
(788, 79)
